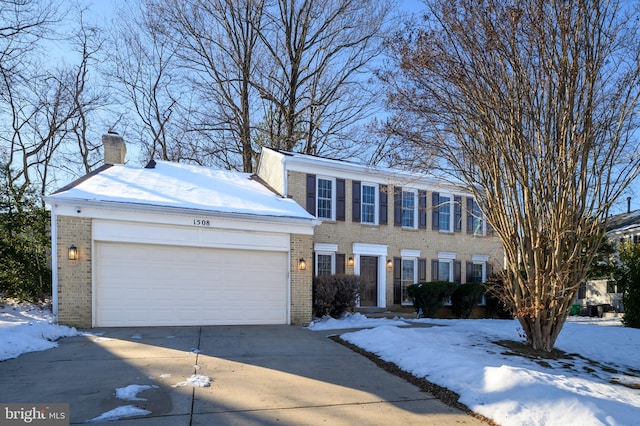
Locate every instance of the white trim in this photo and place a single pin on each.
(54, 265)
(409, 253)
(333, 196)
(325, 247)
(148, 233)
(331, 254)
(302, 163)
(416, 201)
(446, 255)
(370, 249)
(175, 216)
(380, 251)
(480, 258)
(452, 210)
(376, 202)
(414, 261)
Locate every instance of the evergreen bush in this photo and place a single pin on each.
(428, 297)
(627, 275)
(24, 243)
(465, 297)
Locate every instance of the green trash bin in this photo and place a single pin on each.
(575, 310)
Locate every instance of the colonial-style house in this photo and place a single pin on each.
(177, 244)
(391, 227)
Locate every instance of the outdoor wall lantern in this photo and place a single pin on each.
(73, 253)
(389, 263)
(350, 261)
(302, 265)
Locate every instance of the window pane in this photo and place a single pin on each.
(408, 267)
(477, 219)
(324, 264)
(408, 209)
(443, 271)
(324, 198)
(368, 204)
(445, 213)
(476, 273)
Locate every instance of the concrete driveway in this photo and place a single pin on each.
(260, 375)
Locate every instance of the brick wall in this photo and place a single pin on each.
(428, 241)
(74, 276)
(301, 281)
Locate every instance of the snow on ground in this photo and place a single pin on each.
(27, 327)
(598, 384)
(118, 413)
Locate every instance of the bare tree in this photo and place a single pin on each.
(142, 63)
(534, 106)
(23, 93)
(216, 43)
(320, 54)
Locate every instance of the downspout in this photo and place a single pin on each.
(54, 264)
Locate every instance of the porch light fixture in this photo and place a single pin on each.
(350, 261)
(302, 265)
(389, 263)
(73, 252)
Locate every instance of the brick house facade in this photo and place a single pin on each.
(390, 227)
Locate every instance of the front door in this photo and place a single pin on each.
(369, 278)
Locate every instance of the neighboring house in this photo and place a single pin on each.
(175, 244)
(605, 293)
(392, 228)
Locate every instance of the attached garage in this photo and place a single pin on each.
(177, 245)
(150, 285)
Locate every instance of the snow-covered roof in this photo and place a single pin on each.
(181, 186)
(623, 222)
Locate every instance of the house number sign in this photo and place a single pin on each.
(201, 222)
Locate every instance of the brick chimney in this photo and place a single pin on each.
(114, 148)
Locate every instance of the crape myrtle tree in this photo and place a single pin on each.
(533, 106)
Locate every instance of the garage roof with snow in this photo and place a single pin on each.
(181, 186)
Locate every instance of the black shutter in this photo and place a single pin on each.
(457, 208)
(434, 270)
(422, 209)
(355, 201)
(470, 229)
(422, 270)
(383, 204)
(457, 271)
(313, 264)
(340, 199)
(435, 212)
(489, 228)
(469, 271)
(340, 265)
(397, 206)
(397, 281)
(489, 270)
(311, 194)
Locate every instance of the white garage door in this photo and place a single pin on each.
(149, 285)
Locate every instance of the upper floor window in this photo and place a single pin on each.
(475, 221)
(409, 209)
(368, 203)
(445, 222)
(325, 197)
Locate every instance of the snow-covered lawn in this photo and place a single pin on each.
(26, 327)
(596, 383)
